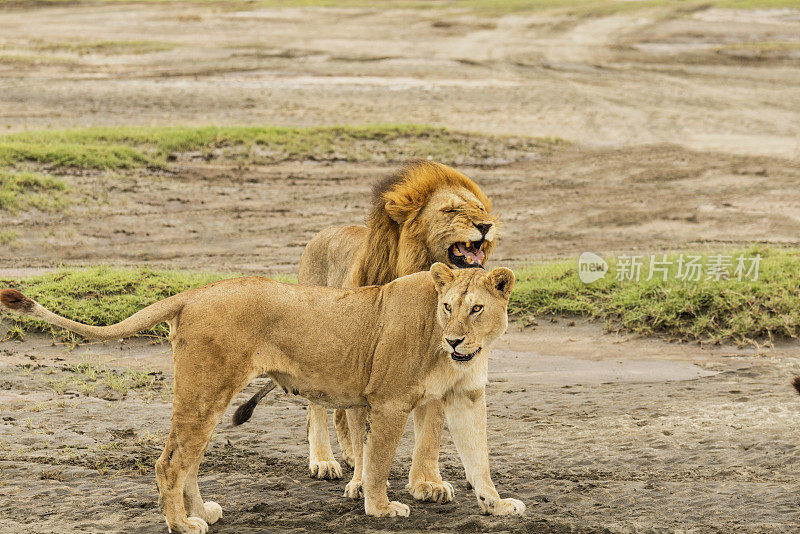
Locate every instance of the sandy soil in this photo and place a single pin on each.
(256, 219)
(684, 139)
(619, 80)
(593, 431)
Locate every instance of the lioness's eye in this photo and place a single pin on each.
(477, 308)
(447, 307)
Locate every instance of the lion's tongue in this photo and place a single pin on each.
(473, 255)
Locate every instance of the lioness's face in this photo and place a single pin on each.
(461, 232)
(471, 308)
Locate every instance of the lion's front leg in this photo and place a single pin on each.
(385, 425)
(466, 419)
(321, 463)
(356, 420)
(424, 480)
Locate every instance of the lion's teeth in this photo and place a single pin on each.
(468, 244)
(457, 252)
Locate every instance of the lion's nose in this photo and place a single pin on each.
(483, 228)
(454, 342)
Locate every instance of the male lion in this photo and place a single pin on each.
(419, 339)
(428, 212)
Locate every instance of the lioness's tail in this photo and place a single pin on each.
(16, 302)
(796, 383)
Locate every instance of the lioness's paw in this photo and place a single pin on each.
(393, 509)
(197, 524)
(508, 507)
(192, 525)
(330, 469)
(440, 492)
(353, 490)
(213, 512)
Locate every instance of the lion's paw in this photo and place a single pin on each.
(213, 512)
(329, 469)
(353, 490)
(393, 509)
(191, 525)
(508, 507)
(441, 492)
(349, 459)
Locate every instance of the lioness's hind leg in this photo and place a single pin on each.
(182, 452)
(343, 436)
(321, 462)
(202, 393)
(210, 512)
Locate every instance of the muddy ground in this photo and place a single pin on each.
(685, 136)
(594, 432)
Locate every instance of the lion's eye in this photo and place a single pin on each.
(450, 210)
(477, 308)
(447, 308)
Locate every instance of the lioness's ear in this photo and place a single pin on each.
(501, 280)
(442, 274)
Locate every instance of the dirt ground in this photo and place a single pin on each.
(594, 432)
(685, 136)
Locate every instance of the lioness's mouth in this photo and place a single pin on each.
(457, 356)
(466, 254)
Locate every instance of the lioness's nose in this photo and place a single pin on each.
(483, 228)
(454, 342)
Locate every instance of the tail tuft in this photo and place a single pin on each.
(796, 383)
(16, 301)
(244, 412)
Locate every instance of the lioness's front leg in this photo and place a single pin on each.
(424, 480)
(385, 425)
(466, 419)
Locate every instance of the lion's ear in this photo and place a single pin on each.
(501, 280)
(398, 213)
(442, 275)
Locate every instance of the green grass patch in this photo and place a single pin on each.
(8, 237)
(88, 377)
(743, 311)
(725, 310)
(66, 155)
(25, 190)
(132, 147)
(103, 295)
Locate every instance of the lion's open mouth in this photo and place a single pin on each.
(466, 254)
(457, 356)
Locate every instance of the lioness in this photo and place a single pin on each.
(427, 212)
(420, 339)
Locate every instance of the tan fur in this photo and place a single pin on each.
(392, 357)
(416, 215)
